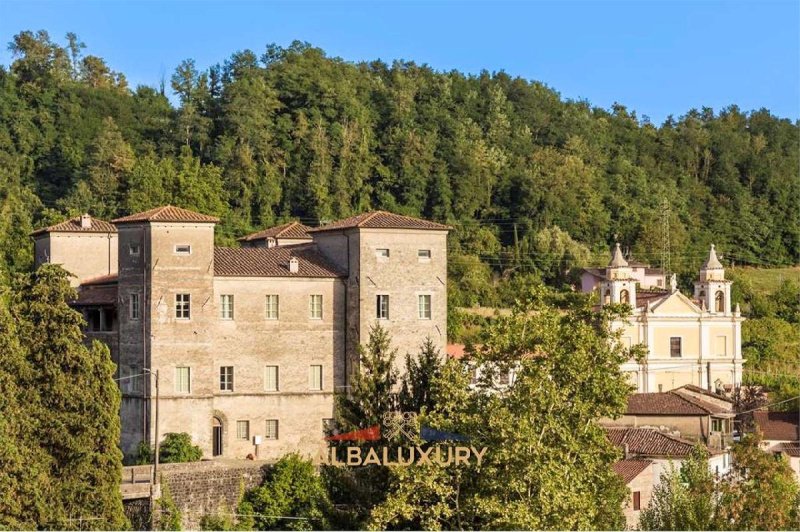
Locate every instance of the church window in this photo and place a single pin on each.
(607, 297)
(719, 302)
(624, 297)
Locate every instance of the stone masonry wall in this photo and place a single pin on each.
(211, 487)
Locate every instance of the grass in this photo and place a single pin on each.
(766, 280)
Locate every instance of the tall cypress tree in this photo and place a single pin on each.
(75, 407)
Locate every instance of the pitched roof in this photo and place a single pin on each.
(289, 230)
(73, 225)
(708, 393)
(630, 468)
(778, 425)
(273, 262)
(167, 213)
(650, 442)
(792, 449)
(381, 220)
(672, 403)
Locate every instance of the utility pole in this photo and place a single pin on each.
(155, 459)
(665, 247)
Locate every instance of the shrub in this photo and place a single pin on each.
(177, 447)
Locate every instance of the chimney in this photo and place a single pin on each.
(294, 265)
(86, 221)
(627, 451)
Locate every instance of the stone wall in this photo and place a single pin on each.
(202, 488)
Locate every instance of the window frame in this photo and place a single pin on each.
(382, 306)
(672, 348)
(424, 255)
(382, 254)
(135, 304)
(312, 298)
(422, 307)
(134, 249)
(178, 380)
(267, 307)
(243, 423)
(312, 376)
(229, 306)
(226, 378)
(277, 378)
(181, 306)
(637, 500)
(277, 424)
(177, 251)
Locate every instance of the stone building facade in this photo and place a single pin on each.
(250, 344)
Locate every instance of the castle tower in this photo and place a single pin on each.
(619, 285)
(711, 288)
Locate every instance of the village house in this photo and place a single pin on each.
(249, 344)
(781, 435)
(638, 476)
(689, 411)
(693, 340)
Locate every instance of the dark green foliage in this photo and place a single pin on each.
(168, 514)
(293, 488)
(295, 133)
(421, 370)
(69, 444)
(373, 389)
(177, 447)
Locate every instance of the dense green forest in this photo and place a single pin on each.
(533, 183)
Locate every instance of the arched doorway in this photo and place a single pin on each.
(216, 437)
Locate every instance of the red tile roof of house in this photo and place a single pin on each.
(96, 295)
(630, 468)
(650, 442)
(381, 220)
(288, 230)
(73, 225)
(672, 403)
(780, 426)
(792, 449)
(273, 262)
(167, 213)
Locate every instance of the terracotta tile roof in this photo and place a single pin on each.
(273, 262)
(290, 230)
(671, 403)
(630, 468)
(96, 295)
(650, 442)
(102, 279)
(167, 213)
(781, 426)
(792, 449)
(381, 220)
(644, 297)
(73, 225)
(703, 391)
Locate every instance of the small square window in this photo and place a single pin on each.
(271, 379)
(315, 307)
(226, 306)
(424, 254)
(271, 429)
(183, 303)
(183, 249)
(272, 307)
(315, 378)
(134, 250)
(226, 378)
(424, 307)
(183, 379)
(242, 430)
(382, 253)
(382, 307)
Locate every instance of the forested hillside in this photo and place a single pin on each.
(532, 183)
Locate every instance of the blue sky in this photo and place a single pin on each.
(657, 58)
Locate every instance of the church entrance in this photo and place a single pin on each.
(216, 437)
